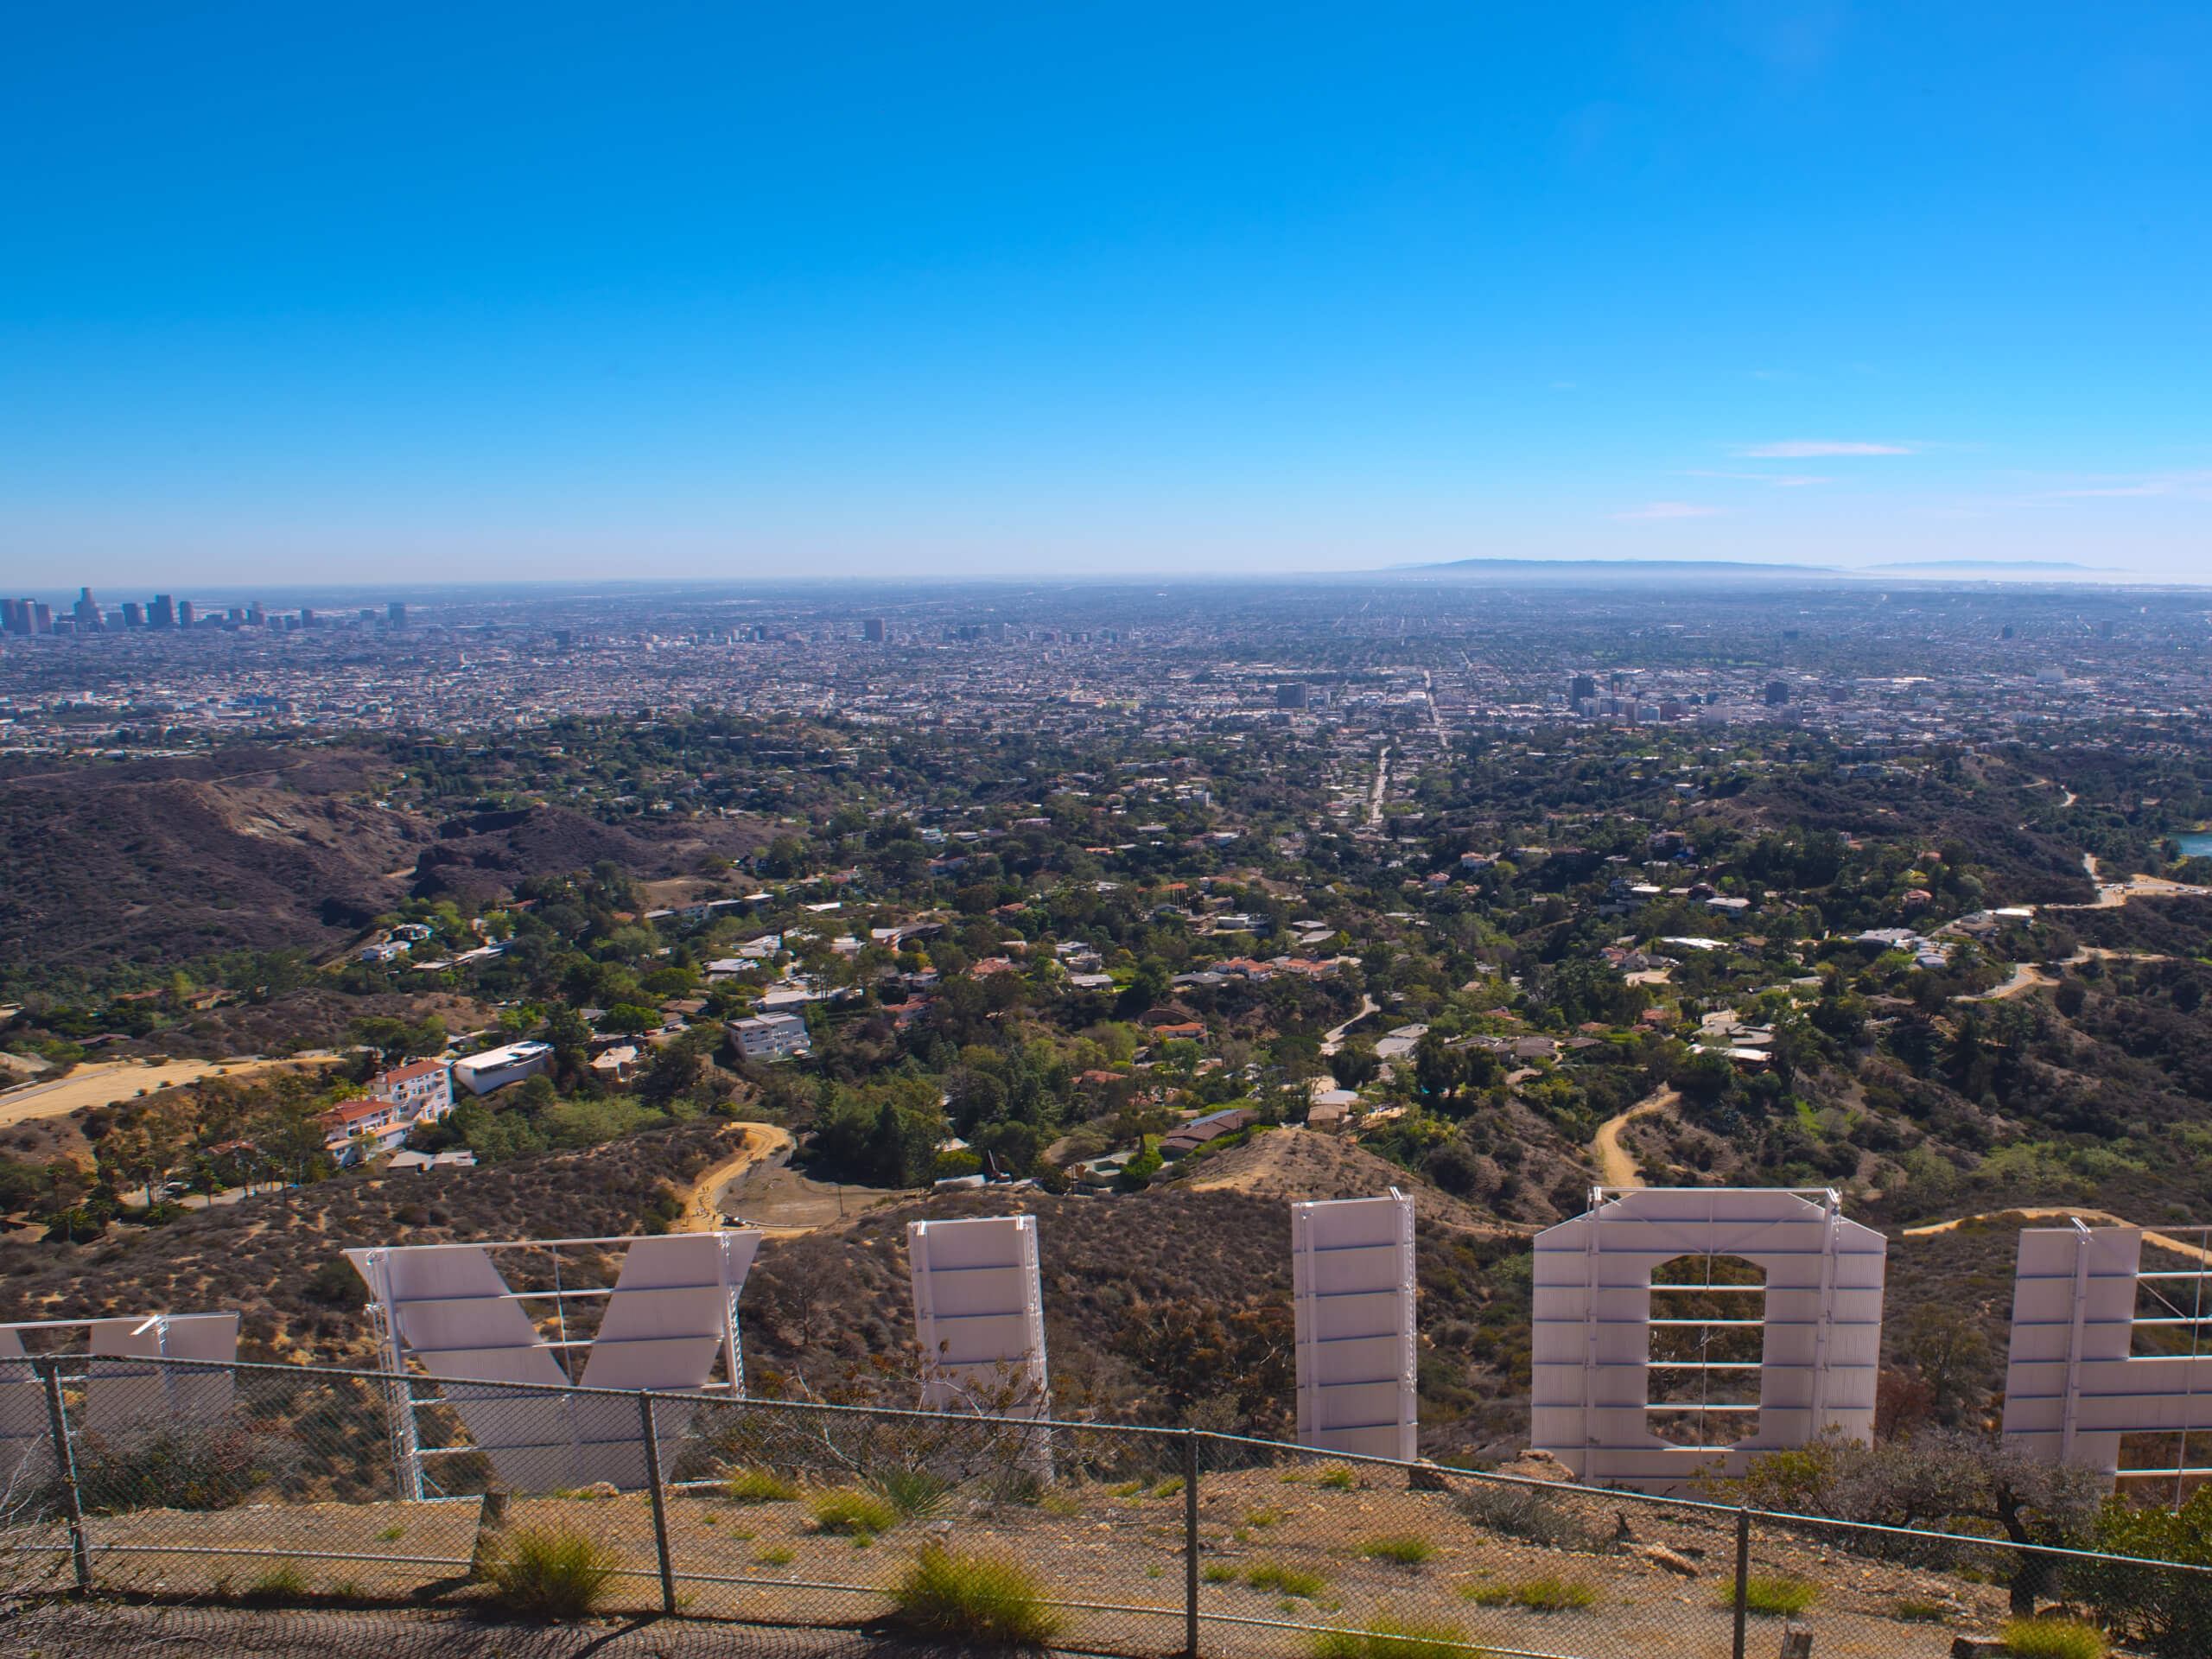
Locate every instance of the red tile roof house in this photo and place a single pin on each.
(396, 1101)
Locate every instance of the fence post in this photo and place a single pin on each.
(65, 1462)
(1743, 1576)
(660, 1506)
(1190, 1543)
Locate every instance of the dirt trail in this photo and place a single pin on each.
(2045, 1212)
(703, 1210)
(1616, 1167)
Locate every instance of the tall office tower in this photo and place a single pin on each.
(1585, 687)
(15, 615)
(118, 620)
(86, 611)
(396, 614)
(1291, 693)
(307, 617)
(872, 630)
(162, 614)
(186, 616)
(256, 616)
(237, 616)
(41, 618)
(1778, 693)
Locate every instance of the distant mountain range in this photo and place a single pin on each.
(1616, 570)
(1564, 571)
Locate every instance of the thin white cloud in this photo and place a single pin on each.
(1806, 448)
(1778, 480)
(1670, 509)
(2183, 484)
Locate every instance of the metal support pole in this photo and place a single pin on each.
(1190, 1543)
(65, 1463)
(1743, 1576)
(660, 1506)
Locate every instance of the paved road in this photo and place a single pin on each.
(1334, 1039)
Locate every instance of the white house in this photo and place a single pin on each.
(395, 1101)
(497, 1067)
(423, 1089)
(771, 1036)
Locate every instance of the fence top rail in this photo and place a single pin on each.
(45, 1363)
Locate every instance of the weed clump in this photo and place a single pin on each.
(2054, 1638)
(548, 1573)
(1405, 1548)
(759, 1486)
(973, 1598)
(1395, 1638)
(280, 1581)
(1521, 1512)
(1547, 1594)
(847, 1511)
(1775, 1598)
(916, 1494)
(1285, 1581)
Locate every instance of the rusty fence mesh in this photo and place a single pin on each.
(292, 1509)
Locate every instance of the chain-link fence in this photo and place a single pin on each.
(287, 1508)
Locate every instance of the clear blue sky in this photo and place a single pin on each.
(312, 293)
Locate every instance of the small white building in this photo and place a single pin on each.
(771, 1036)
(495, 1068)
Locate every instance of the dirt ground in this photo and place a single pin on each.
(107, 1082)
(1301, 1164)
(763, 1189)
(1113, 1547)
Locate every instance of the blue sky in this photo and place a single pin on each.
(487, 292)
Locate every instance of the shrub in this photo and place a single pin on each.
(916, 1494)
(759, 1486)
(1285, 1581)
(551, 1573)
(973, 1598)
(1395, 1638)
(1777, 1597)
(1405, 1548)
(179, 1467)
(846, 1511)
(1218, 1573)
(1521, 1512)
(2053, 1638)
(2157, 1609)
(1168, 1487)
(776, 1556)
(1544, 1595)
(1336, 1480)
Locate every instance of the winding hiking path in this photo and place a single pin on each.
(1616, 1167)
(703, 1211)
(2196, 1253)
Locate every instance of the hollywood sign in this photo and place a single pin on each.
(127, 1387)
(2074, 1385)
